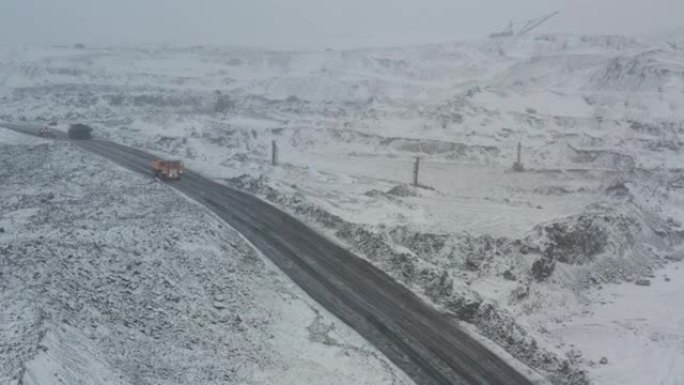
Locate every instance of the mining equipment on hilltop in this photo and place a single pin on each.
(528, 26)
(80, 131)
(167, 169)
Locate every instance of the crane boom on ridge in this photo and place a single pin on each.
(528, 26)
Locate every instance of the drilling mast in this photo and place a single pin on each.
(528, 26)
(534, 23)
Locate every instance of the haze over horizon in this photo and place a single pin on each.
(315, 22)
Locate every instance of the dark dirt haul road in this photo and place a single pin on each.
(430, 348)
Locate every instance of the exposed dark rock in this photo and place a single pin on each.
(527, 249)
(472, 263)
(404, 264)
(603, 158)
(575, 243)
(424, 245)
(509, 275)
(521, 292)
(619, 190)
(402, 190)
(543, 268)
(552, 190)
(374, 193)
(465, 309)
(438, 286)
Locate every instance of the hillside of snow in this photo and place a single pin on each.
(108, 277)
(526, 258)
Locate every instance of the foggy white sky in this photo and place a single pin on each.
(315, 22)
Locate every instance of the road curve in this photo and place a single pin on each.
(430, 348)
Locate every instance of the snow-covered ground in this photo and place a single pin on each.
(639, 330)
(524, 257)
(108, 277)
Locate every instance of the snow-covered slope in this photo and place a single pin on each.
(108, 277)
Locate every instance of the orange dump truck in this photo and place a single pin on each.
(167, 169)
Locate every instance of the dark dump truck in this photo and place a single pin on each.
(80, 131)
(45, 132)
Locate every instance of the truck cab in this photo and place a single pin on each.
(167, 169)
